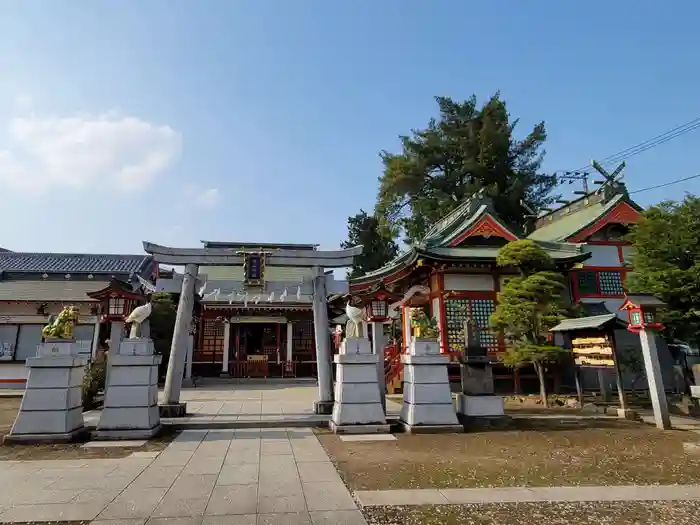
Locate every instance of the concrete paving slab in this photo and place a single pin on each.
(367, 437)
(237, 519)
(208, 465)
(328, 495)
(293, 518)
(136, 521)
(314, 472)
(175, 521)
(282, 504)
(233, 499)
(115, 444)
(370, 498)
(241, 474)
(141, 454)
(196, 486)
(156, 476)
(134, 503)
(51, 512)
(176, 507)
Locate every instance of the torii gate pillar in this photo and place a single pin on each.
(324, 405)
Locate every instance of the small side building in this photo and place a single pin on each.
(34, 286)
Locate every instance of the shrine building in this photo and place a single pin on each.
(34, 286)
(253, 319)
(456, 264)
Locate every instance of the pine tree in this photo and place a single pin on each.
(378, 248)
(528, 306)
(466, 149)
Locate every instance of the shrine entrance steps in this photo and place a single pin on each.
(223, 404)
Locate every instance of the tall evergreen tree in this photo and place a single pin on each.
(378, 248)
(466, 149)
(666, 262)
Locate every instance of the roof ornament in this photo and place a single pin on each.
(612, 180)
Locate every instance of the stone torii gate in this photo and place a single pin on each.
(193, 258)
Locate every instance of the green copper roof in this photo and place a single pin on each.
(560, 252)
(565, 227)
(460, 219)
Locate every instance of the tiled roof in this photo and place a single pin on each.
(585, 323)
(61, 291)
(562, 228)
(74, 263)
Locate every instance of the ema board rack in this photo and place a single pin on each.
(593, 352)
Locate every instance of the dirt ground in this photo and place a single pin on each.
(548, 453)
(8, 411)
(600, 513)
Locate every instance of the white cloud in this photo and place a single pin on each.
(83, 151)
(208, 198)
(24, 101)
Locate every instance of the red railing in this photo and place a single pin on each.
(263, 368)
(392, 363)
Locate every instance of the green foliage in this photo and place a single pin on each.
(666, 263)
(93, 382)
(524, 255)
(378, 247)
(466, 149)
(162, 321)
(528, 306)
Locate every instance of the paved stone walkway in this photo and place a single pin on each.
(241, 477)
(373, 498)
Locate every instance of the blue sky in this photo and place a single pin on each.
(261, 120)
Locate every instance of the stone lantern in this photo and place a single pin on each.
(377, 312)
(642, 319)
(641, 310)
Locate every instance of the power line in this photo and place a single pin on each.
(648, 144)
(666, 184)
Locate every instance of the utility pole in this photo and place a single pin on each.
(572, 176)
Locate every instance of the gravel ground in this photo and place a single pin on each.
(618, 513)
(591, 453)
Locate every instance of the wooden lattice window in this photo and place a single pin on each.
(116, 306)
(478, 310)
(599, 283)
(303, 344)
(212, 348)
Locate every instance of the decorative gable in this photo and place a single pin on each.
(623, 213)
(487, 227)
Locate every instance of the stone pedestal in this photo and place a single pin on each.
(477, 398)
(357, 408)
(52, 410)
(695, 391)
(131, 399)
(427, 399)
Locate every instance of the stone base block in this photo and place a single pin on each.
(695, 391)
(358, 414)
(430, 429)
(323, 407)
(428, 414)
(114, 435)
(35, 439)
(628, 414)
(173, 410)
(52, 422)
(129, 418)
(358, 429)
(480, 406)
